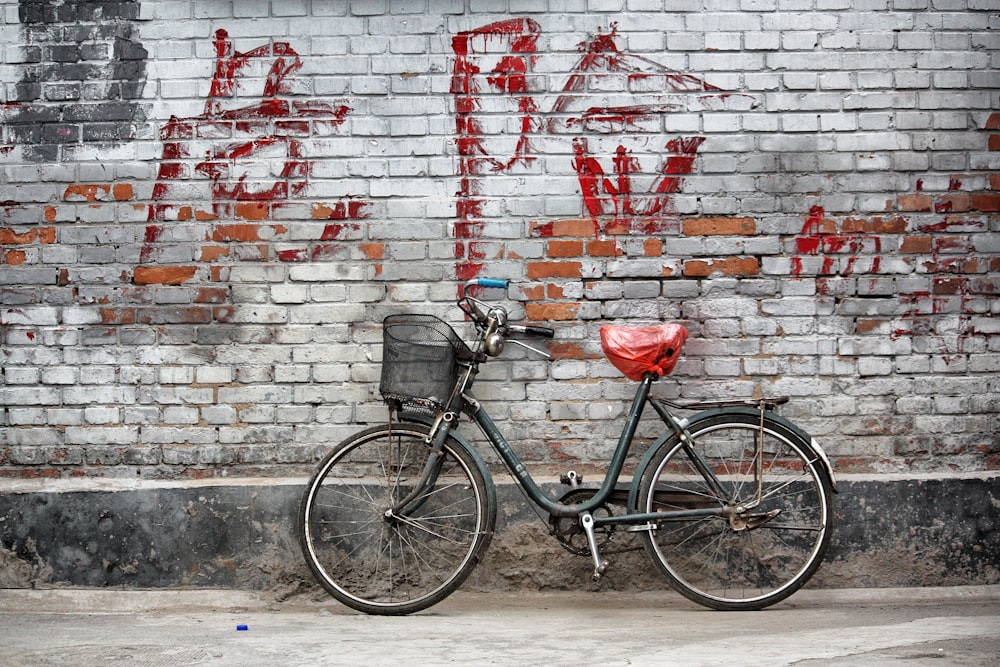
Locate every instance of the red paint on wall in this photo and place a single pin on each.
(491, 82)
(822, 236)
(499, 57)
(238, 167)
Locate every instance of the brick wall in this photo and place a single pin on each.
(206, 208)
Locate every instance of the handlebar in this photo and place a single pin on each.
(501, 283)
(542, 332)
(481, 312)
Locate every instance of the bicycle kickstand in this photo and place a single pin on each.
(600, 566)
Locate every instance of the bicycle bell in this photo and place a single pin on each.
(494, 339)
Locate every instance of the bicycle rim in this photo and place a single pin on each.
(760, 556)
(398, 564)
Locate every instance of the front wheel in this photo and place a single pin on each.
(751, 554)
(383, 561)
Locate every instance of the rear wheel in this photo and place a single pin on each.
(752, 556)
(380, 561)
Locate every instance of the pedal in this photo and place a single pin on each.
(572, 479)
(600, 566)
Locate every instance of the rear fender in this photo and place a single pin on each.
(798, 432)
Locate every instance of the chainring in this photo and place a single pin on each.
(569, 532)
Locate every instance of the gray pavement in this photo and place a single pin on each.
(929, 626)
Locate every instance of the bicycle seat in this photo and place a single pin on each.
(639, 350)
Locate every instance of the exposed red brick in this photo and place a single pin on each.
(252, 210)
(236, 233)
(163, 275)
(538, 270)
(551, 312)
(211, 295)
(993, 143)
(956, 202)
(14, 257)
(349, 210)
(916, 244)
(117, 315)
(574, 228)
(732, 266)
(534, 292)
(43, 235)
(87, 191)
(652, 247)
(983, 201)
(720, 227)
(566, 350)
(948, 285)
(210, 253)
(876, 225)
(122, 191)
(862, 326)
(373, 250)
(602, 248)
(563, 248)
(915, 202)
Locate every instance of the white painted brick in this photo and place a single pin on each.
(849, 105)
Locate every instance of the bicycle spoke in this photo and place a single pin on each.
(393, 563)
(749, 560)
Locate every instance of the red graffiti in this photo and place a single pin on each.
(617, 134)
(504, 51)
(240, 143)
(939, 319)
(627, 173)
(821, 237)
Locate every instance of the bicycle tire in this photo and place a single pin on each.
(728, 564)
(394, 565)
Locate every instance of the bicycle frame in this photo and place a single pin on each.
(472, 407)
(555, 508)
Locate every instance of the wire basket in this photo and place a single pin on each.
(420, 355)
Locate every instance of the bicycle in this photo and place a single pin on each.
(734, 504)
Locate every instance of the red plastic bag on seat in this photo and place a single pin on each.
(638, 350)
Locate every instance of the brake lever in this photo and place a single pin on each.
(528, 347)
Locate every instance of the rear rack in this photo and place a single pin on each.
(759, 403)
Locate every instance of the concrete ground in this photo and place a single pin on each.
(87, 627)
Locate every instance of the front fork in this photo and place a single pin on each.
(432, 467)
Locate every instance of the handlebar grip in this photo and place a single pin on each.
(542, 332)
(491, 282)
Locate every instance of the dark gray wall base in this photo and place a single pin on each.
(926, 531)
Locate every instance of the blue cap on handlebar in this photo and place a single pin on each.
(492, 282)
